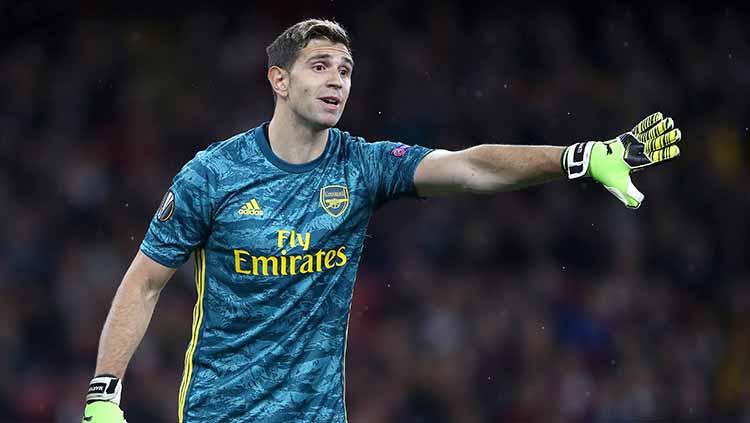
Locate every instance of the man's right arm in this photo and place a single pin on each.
(123, 330)
(179, 226)
(130, 314)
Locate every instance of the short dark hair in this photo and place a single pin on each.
(283, 51)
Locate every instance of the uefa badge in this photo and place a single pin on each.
(334, 199)
(166, 208)
(400, 150)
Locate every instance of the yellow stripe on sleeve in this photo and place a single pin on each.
(200, 285)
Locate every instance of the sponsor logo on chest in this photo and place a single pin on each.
(251, 208)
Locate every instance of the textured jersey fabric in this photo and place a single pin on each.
(277, 247)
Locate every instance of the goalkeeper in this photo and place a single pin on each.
(276, 217)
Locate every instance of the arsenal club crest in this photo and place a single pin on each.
(334, 199)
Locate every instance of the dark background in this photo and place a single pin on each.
(552, 304)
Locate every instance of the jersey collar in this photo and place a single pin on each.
(261, 139)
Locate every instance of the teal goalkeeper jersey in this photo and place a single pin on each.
(276, 249)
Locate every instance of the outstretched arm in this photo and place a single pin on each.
(493, 168)
(487, 169)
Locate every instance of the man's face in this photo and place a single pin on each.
(319, 82)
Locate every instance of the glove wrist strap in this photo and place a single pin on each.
(104, 388)
(575, 159)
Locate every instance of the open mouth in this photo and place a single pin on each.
(330, 100)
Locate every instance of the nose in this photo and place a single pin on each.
(335, 80)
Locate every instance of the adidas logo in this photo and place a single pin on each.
(251, 208)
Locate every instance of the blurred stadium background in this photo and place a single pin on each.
(552, 304)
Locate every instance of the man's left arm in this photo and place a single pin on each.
(487, 169)
(494, 168)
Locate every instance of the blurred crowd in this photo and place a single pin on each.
(551, 304)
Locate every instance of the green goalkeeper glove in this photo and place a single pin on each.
(611, 162)
(103, 401)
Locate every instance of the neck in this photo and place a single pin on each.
(294, 141)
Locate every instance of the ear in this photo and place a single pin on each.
(279, 79)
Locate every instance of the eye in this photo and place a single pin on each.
(318, 67)
(345, 72)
